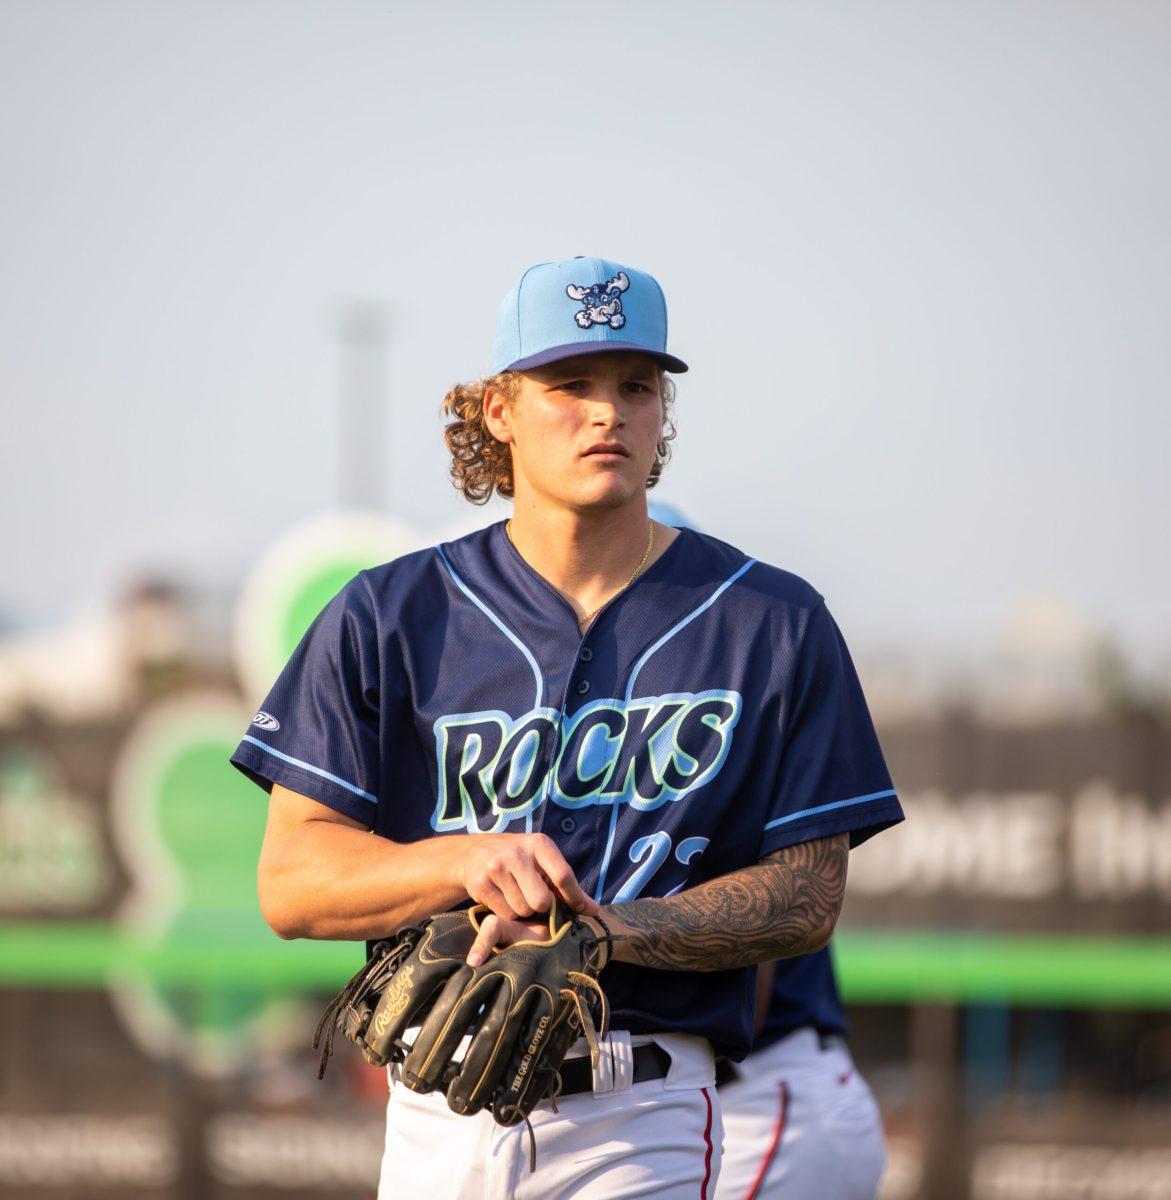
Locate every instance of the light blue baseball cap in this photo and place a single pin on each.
(581, 306)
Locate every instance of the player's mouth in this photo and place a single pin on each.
(606, 452)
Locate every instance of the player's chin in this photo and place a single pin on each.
(600, 495)
(612, 486)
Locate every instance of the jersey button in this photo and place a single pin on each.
(582, 686)
(586, 654)
(568, 824)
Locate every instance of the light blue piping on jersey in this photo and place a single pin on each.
(638, 666)
(296, 762)
(809, 812)
(467, 591)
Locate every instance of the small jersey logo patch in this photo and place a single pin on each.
(601, 303)
(265, 720)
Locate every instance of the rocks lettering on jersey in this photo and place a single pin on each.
(494, 769)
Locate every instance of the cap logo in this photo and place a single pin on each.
(601, 302)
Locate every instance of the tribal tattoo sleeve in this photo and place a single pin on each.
(786, 904)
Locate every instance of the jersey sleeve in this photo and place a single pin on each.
(832, 777)
(317, 732)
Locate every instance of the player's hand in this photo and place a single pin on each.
(517, 875)
(498, 931)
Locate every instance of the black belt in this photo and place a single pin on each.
(651, 1061)
(728, 1072)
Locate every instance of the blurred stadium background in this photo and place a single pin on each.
(920, 256)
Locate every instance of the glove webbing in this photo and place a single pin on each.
(371, 976)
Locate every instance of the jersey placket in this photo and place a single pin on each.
(606, 815)
(573, 681)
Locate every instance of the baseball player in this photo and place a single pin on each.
(579, 704)
(799, 1120)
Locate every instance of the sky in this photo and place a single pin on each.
(918, 255)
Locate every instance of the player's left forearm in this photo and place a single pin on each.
(786, 904)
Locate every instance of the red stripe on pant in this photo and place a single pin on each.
(707, 1137)
(778, 1133)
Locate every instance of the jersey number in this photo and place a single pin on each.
(649, 854)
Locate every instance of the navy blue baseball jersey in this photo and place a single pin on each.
(709, 716)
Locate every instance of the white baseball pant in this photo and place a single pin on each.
(800, 1124)
(659, 1139)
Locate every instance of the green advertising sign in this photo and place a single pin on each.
(189, 828)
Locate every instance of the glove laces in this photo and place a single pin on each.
(371, 976)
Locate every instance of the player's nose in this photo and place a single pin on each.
(606, 405)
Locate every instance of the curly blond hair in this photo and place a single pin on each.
(480, 465)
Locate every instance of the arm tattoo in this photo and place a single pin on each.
(786, 904)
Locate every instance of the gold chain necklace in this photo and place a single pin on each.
(588, 618)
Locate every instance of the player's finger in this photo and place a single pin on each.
(562, 879)
(534, 886)
(504, 879)
(489, 894)
(489, 935)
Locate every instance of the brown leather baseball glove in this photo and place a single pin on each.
(523, 1007)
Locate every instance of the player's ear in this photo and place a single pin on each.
(497, 414)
